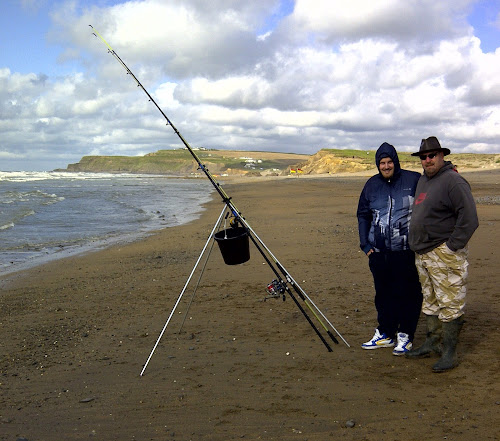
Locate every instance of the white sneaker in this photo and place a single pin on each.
(378, 341)
(404, 344)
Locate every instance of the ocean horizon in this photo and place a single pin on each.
(50, 215)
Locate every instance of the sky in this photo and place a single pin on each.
(267, 75)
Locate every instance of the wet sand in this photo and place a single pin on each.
(75, 334)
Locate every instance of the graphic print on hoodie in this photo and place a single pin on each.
(385, 206)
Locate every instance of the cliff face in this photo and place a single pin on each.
(335, 161)
(182, 163)
(327, 161)
(221, 162)
(130, 164)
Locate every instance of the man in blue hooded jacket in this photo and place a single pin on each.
(384, 213)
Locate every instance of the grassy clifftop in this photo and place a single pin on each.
(181, 163)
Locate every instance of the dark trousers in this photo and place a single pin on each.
(398, 295)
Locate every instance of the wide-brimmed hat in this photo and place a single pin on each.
(431, 144)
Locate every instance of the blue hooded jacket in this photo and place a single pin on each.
(385, 205)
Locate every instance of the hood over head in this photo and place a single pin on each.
(386, 150)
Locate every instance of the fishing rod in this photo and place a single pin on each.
(281, 283)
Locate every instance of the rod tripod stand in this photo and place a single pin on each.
(283, 278)
(266, 253)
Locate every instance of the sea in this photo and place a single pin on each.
(49, 215)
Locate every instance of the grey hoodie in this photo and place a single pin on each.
(444, 211)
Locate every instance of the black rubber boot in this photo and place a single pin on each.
(449, 359)
(432, 342)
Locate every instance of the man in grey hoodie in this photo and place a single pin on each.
(443, 220)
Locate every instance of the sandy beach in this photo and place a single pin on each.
(75, 334)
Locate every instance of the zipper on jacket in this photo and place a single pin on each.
(390, 216)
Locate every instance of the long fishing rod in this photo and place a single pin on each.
(237, 215)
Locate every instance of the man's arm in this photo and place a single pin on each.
(364, 215)
(466, 216)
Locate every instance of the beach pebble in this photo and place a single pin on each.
(350, 424)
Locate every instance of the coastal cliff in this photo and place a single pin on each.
(228, 162)
(181, 163)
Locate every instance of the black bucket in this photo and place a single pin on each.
(233, 244)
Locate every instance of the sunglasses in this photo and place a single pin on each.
(430, 156)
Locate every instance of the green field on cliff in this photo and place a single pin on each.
(180, 162)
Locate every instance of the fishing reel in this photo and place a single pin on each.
(234, 222)
(275, 289)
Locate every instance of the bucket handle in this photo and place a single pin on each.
(225, 227)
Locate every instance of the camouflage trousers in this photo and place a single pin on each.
(443, 276)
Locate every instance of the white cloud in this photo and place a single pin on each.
(338, 20)
(325, 76)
